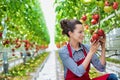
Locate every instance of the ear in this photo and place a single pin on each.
(69, 33)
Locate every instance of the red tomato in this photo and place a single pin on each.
(95, 36)
(93, 22)
(91, 40)
(115, 5)
(101, 32)
(0, 34)
(107, 3)
(84, 17)
(86, 26)
(95, 16)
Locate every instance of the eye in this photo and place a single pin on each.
(80, 31)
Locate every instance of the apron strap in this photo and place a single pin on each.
(69, 49)
(85, 53)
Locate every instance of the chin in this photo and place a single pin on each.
(80, 41)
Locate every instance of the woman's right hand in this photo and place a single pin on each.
(94, 46)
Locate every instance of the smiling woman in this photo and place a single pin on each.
(76, 56)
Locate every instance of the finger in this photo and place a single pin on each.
(97, 42)
(97, 46)
(104, 36)
(93, 42)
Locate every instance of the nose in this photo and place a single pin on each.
(83, 34)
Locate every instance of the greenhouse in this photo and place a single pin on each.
(59, 39)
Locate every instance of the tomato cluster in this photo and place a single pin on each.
(97, 35)
(109, 7)
(95, 19)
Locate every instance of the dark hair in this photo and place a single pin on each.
(68, 25)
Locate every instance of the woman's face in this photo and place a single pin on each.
(78, 34)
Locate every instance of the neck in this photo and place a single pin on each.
(74, 44)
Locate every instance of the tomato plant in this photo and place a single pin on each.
(24, 20)
(77, 9)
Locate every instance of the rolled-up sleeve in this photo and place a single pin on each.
(70, 64)
(96, 61)
(97, 64)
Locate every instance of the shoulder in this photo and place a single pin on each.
(63, 52)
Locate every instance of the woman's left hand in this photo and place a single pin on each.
(103, 41)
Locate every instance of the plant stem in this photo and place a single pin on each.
(99, 17)
(116, 17)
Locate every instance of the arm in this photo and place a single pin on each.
(93, 49)
(97, 63)
(100, 63)
(102, 57)
(69, 63)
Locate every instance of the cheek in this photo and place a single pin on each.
(77, 35)
(81, 36)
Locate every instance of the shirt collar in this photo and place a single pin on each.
(80, 48)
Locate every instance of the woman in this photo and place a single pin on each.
(76, 57)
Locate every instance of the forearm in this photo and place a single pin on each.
(102, 57)
(87, 60)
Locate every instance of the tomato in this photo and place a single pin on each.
(97, 34)
(95, 16)
(100, 32)
(95, 37)
(84, 17)
(86, 27)
(91, 40)
(107, 3)
(0, 34)
(108, 9)
(93, 22)
(115, 5)
(87, 1)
